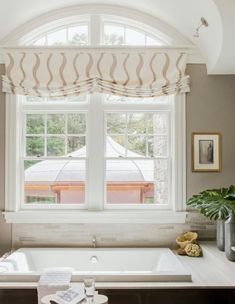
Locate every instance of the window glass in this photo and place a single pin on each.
(114, 35)
(134, 37)
(78, 35)
(57, 38)
(60, 177)
(79, 98)
(137, 158)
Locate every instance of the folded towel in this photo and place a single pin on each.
(53, 280)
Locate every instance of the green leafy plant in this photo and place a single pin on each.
(215, 203)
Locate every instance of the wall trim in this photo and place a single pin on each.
(104, 217)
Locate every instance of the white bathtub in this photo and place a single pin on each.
(105, 264)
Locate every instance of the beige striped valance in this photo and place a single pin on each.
(127, 72)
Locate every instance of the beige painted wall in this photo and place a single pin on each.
(210, 107)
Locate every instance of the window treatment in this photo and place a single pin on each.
(130, 72)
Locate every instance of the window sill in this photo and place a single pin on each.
(86, 217)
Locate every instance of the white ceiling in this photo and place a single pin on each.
(216, 42)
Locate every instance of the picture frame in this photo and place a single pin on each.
(206, 152)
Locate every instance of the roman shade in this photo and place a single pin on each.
(130, 72)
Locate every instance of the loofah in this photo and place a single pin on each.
(193, 250)
(181, 251)
(187, 238)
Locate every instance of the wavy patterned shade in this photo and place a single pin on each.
(139, 72)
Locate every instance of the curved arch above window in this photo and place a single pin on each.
(98, 29)
(96, 25)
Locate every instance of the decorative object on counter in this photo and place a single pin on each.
(215, 204)
(186, 243)
(230, 237)
(187, 238)
(193, 250)
(89, 285)
(220, 234)
(98, 299)
(206, 152)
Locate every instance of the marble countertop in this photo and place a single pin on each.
(213, 270)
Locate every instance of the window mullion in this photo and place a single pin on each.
(95, 154)
(95, 30)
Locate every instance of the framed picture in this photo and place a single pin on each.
(206, 152)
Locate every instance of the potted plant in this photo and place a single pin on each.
(217, 205)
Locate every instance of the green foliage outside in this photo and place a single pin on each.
(135, 131)
(56, 140)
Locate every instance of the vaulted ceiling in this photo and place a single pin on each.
(216, 43)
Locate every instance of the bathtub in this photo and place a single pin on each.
(105, 264)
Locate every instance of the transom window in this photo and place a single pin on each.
(97, 29)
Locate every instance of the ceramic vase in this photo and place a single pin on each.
(220, 234)
(230, 237)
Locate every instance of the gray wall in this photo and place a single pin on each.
(210, 107)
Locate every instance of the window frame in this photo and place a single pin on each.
(22, 126)
(14, 211)
(97, 16)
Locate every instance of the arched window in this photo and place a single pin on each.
(96, 29)
(97, 151)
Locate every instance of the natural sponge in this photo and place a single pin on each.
(187, 238)
(193, 250)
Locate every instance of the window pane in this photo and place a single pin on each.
(137, 181)
(40, 41)
(161, 180)
(78, 35)
(134, 37)
(35, 99)
(79, 98)
(130, 100)
(57, 38)
(55, 182)
(75, 143)
(137, 144)
(113, 35)
(55, 124)
(76, 124)
(160, 146)
(158, 123)
(55, 146)
(153, 41)
(34, 146)
(136, 123)
(35, 124)
(116, 123)
(82, 98)
(116, 146)
(130, 181)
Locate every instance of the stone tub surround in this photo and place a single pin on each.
(113, 235)
(212, 271)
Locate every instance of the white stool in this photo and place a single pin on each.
(98, 299)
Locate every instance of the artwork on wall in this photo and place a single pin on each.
(206, 152)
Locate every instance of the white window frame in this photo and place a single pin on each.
(96, 16)
(71, 214)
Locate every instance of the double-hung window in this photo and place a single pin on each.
(95, 152)
(70, 146)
